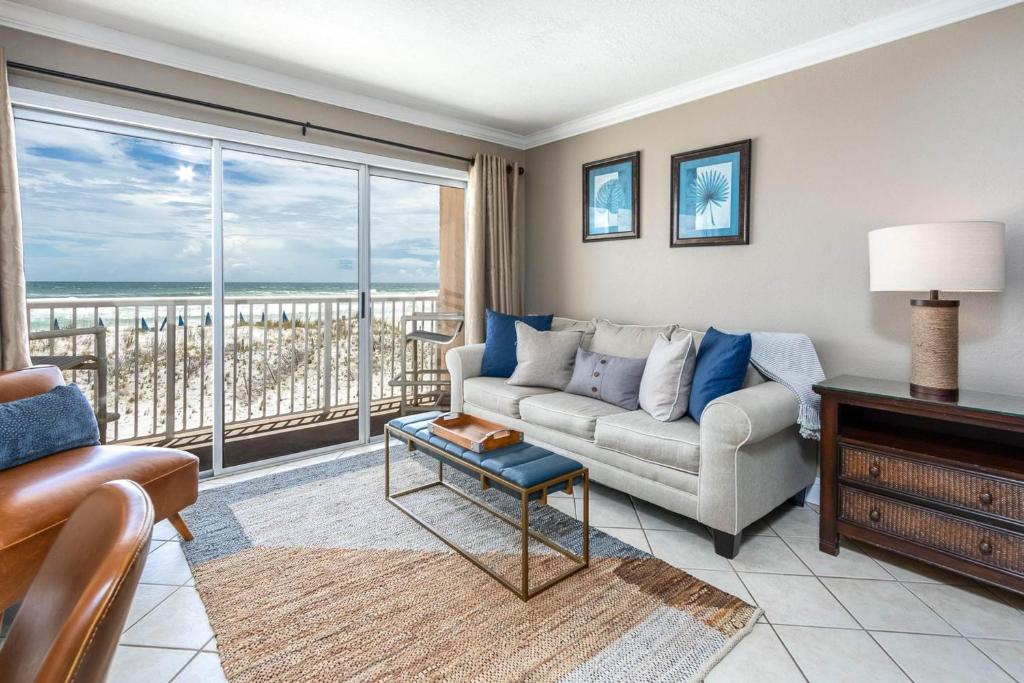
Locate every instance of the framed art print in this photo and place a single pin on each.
(711, 196)
(611, 198)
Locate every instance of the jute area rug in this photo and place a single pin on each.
(310, 575)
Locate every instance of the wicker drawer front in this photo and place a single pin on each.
(994, 547)
(955, 487)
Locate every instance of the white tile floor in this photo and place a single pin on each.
(865, 615)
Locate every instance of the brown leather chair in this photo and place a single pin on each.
(38, 497)
(71, 620)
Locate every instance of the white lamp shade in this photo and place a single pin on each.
(951, 257)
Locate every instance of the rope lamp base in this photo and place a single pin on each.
(935, 340)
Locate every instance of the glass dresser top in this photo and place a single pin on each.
(885, 388)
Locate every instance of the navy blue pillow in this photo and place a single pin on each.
(38, 426)
(721, 366)
(500, 348)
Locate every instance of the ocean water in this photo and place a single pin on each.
(109, 290)
(69, 315)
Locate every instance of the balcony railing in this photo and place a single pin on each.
(283, 356)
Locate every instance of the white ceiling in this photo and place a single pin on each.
(521, 72)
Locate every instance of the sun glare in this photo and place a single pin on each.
(186, 174)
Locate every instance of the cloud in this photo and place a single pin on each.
(100, 206)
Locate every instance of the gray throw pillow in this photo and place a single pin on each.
(612, 379)
(665, 387)
(544, 359)
(628, 341)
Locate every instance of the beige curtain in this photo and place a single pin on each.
(492, 243)
(13, 319)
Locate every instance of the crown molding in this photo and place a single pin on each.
(51, 25)
(925, 17)
(887, 29)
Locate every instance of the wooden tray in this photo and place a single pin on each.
(474, 433)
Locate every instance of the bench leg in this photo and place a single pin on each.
(524, 522)
(179, 525)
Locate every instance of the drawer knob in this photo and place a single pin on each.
(985, 498)
(875, 515)
(874, 470)
(985, 547)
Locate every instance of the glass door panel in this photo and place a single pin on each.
(416, 271)
(118, 262)
(291, 328)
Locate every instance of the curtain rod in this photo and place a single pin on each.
(303, 125)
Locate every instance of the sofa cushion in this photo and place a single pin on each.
(629, 341)
(500, 345)
(722, 364)
(41, 425)
(545, 359)
(674, 444)
(492, 393)
(612, 379)
(576, 415)
(587, 327)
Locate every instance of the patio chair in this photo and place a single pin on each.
(437, 380)
(95, 362)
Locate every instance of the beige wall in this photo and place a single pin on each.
(55, 54)
(929, 128)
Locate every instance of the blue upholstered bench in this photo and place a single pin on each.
(524, 470)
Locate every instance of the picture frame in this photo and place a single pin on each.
(611, 198)
(711, 196)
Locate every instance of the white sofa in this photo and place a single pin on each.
(744, 459)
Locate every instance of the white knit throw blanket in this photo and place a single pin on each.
(790, 360)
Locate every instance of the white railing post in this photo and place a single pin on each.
(328, 322)
(172, 337)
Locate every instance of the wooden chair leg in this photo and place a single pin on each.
(179, 525)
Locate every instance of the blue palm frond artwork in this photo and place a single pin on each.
(709, 189)
(610, 198)
(711, 196)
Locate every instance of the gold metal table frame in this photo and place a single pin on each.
(524, 592)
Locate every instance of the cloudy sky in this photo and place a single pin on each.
(104, 207)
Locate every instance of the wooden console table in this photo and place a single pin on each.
(939, 481)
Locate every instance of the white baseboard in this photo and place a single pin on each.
(814, 493)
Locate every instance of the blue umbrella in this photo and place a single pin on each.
(209, 319)
(163, 324)
(181, 321)
(241, 318)
(284, 317)
(144, 326)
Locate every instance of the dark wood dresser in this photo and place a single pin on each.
(941, 482)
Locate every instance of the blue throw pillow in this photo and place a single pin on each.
(721, 366)
(500, 347)
(38, 426)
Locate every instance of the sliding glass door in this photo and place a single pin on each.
(240, 301)
(118, 268)
(417, 282)
(291, 332)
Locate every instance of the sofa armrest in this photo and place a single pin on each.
(751, 456)
(463, 363)
(748, 415)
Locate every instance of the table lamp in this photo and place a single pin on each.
(929, 257)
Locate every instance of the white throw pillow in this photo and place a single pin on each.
(544, 359)
(665, 386)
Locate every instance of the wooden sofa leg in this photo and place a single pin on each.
(726, 545)
(179, 525)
